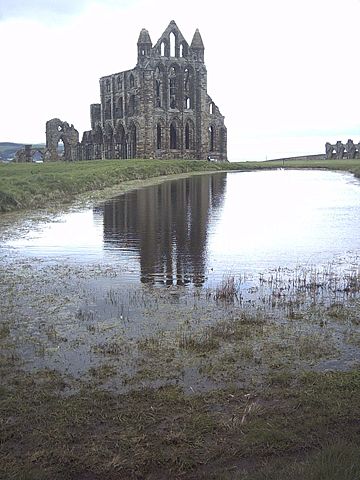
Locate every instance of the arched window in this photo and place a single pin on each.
(187, 137)
(172, 87)
(183, 50)
(188, 87)
(132, 81)
(172, 44)
(119, 83)
(158, 87)
(107, 86)
(211, 108)
(158, 136)
(132, 105)
(173, 136)
(211, 138)
(60, 149)
(162, 49)
(107, 109)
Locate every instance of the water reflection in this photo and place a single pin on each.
(167, 224)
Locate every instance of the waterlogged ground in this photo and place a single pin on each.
(85, 321)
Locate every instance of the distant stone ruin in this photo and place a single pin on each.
(339, 150)
(29, 154)
(159, 109)
(58, 131)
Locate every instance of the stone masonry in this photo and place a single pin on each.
(159, 109)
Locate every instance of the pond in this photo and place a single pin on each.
(195, 230)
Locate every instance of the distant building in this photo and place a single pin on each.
(159, 109)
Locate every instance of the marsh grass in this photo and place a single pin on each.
(227, 290)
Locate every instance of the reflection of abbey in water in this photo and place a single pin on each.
(168, 225)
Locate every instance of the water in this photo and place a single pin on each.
(193, 231)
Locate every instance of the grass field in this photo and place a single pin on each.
(37, 185)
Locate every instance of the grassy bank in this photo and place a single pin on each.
(35, 185)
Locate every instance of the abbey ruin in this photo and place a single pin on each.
(159, 109)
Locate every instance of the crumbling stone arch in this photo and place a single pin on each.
(57, 131)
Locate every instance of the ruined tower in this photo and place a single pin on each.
(160, 108)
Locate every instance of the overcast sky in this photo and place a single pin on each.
(284, 73)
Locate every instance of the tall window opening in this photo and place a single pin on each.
(107, 86)
(187, 137)
(173, 139)
(158, 137)
(60, 149)
(211, 138)
(188, 88)
(158, 87)
(211, 108)
(119, 83)
(131, 81)
(172, 44)
(107, 109)
(132, 105)
(162, 49)
(172, 87)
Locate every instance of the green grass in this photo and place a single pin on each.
(37, 185)
(308, 430)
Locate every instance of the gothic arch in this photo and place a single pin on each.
(174, 85)
(159, 134)
(159, 85)
(164, 48)
(120, 141)
(133, 139)
(189, 135)
(174, 134)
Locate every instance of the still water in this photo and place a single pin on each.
(196, 230)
